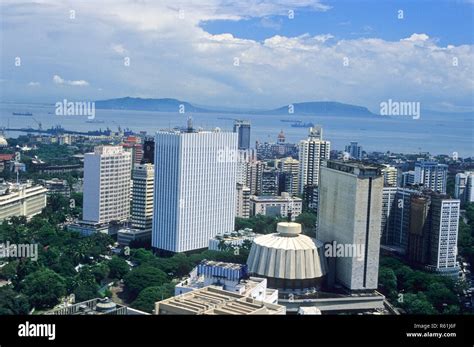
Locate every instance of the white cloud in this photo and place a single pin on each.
(59, 80)
(33, 84)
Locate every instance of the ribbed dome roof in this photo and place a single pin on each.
(287, 254)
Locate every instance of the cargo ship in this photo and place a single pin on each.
(28, 114)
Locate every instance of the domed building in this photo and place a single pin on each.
(281, 137)
(288, 259)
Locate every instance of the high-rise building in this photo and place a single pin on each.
(243, 201)
(431, 175)
(349, 214)
(133, 144)
(396, 204)
(107, 173)
(242, 127)
(142, 196)
(354, 150)
(433, 236)
(244, 158)
(269, 185)
(149, 151)
(253, 180)
(408, 178)
(390, 176)
(289, 172)
(195, 187)
(464, 186)
(312, 151)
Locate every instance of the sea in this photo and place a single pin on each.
(433, 133)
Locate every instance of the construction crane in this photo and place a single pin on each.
(40, 126)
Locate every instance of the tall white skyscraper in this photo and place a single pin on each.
(142, 196)
(349, 213)
(195, 194)
(107, 173)
(311, 152)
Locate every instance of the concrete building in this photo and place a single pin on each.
(434, 232)
(230, 277)
(21, 200)
(253, 179)
(195, 188)
(289, 175)
(464, 186)
(242, 201)
(277, 206)
(312, 151)
(242, 128)
(107, 173)
(396, 203)
(431, 175)
(87, 228)
(234, 239)
(354, 150)
(408, 178)
(269, 184)
(390, 176)
(349, 213)
(133, 144)
(98, 306)
(57, 186)
(148, 151)
(214, 301)
(288, 259)
(142, 196)
(126, 235)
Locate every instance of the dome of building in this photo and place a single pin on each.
(288, 259)
(3, 142)
(281, 137)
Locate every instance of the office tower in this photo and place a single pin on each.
(433, 234)
(195, 187)
(312, 151)
(289, 172)
(354, 150)
(242, 128)
(245, 157)
(269, 184)
(243, 201)
(142, 196)
(107, 173)
(432, 175)
(133, 144)
(349, 213)
(444, 234)
(253, 179)
(408, 178)
(149, 151)
(464, 186)
(396, 204)
(390, 176)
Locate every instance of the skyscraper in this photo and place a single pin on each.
(195, 188)
(242, 127)
(312, 151)
(390, 176)
(289, 172)
(243, 201)
(142, 196)
(432, 175)
(349, 213)
(107, 173)
(354, 150)
(464, 186)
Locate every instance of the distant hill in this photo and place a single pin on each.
(139, 104)
(328, 108)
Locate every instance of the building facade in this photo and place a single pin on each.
(431, 175)
(142, 196)
(21, 200)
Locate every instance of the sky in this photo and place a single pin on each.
(247, 54)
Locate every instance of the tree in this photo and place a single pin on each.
(417, 304)
(118, 267)
(100, 271)
(142, 277)
(308, 222)
(44, 288)
(148, 296)
(388, 282)
(12, 303)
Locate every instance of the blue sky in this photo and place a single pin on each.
(245, 54)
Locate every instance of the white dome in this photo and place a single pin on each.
(287, 255)
(3, 142)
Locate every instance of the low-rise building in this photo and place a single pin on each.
(233, 239)
(215, 301)
(21, 200)
(127, 235)
(279, 206)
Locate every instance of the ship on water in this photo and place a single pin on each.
(28, 114)
(300, 124)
